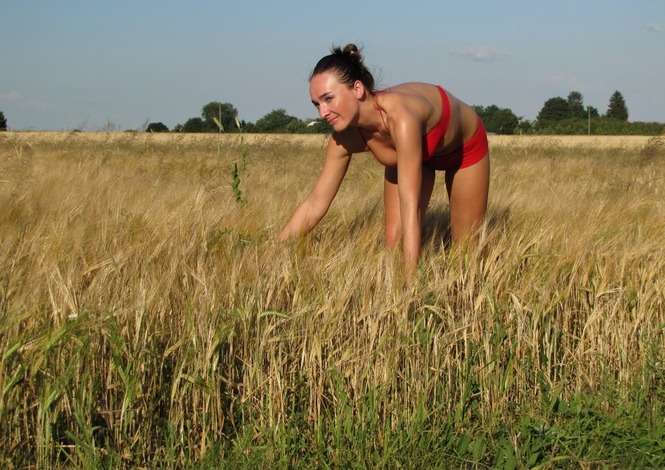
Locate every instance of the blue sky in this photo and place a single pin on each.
(82, 64)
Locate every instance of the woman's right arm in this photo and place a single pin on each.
(312, 210)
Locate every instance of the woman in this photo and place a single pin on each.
(412, 129)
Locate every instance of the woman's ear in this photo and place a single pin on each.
(359, 89)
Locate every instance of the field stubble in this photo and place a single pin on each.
(147, 316)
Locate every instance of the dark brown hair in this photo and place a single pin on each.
(348, 64)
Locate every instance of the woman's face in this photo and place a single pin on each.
(336, 102)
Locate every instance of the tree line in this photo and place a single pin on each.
(223, 117)
(557, 116)
(568, 116)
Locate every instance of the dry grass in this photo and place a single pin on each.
(143, 309)
(626, 142)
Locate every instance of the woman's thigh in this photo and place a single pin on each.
(391, 202)
(467, 192)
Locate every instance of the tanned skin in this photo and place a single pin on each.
(391, 126)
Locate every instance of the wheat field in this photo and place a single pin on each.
(599, 142)
(149, 318)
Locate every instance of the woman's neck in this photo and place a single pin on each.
(370, 117)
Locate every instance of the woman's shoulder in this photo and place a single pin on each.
(406, 89)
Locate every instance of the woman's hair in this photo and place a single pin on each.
(348, 64)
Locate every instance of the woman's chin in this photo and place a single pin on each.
(338, 126)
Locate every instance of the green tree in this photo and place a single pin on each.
(156, 127)
(523, 126)
(576, 104)
(497, 120)
(554, 109)
(275, 121)
(247, 126)
(226, 113)
(617, 108)
(600, 126)
(296, 126)
(3, 122)
(195, 124)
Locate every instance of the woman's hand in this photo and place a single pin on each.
(302, 221)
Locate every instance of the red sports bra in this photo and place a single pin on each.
(435, 134)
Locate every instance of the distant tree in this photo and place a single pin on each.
(226, 113)
(504, 121)
(576, 104)
(497, 120)
(600, 126)
(593, 112)
(177, 128)
(296, 126)
(523, 126)
(195, 124)
(617, 108)
(246, 126)
(554, 109)
(3, 122)
(156, 127)
(275, 121)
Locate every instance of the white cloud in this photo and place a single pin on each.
(654, 28)
(11, 95)
(479, 54)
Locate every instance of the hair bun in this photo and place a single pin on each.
(352, 52)
(348, 64)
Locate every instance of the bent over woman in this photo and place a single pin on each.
(413, 129)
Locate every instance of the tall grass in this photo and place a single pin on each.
(146, 318)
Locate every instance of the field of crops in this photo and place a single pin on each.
(613, 142)
(149, 318)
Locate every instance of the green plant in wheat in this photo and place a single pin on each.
(235, 184)
(235, 173)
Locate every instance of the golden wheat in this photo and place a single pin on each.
(595, 142)
(135, 291)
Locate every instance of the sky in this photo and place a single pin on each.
(93, 65)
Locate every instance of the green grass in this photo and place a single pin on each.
(608, 426)
(149, 320)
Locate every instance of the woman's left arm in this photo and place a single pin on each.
(406, 132)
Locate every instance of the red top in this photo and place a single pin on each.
(435, 134)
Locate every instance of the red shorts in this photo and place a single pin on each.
(472, 151)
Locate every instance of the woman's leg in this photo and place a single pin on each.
(467, 192)
(391, 202)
